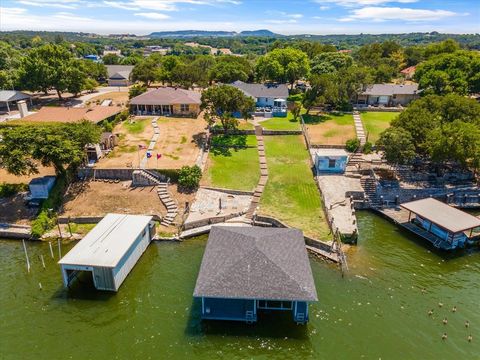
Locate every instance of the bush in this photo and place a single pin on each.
(189, 177)
(45, 219)
(295, 97)
(367, 148)
(137, 89)
(7, 190)
(172, 174)
(352, 145)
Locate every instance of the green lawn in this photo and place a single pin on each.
(137, 126)
(279, 123)
(375, 122)
(230, 168)
(291, 194)
(233, 140)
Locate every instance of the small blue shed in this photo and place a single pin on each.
(246, 271)
(40, 187)
(331, 160)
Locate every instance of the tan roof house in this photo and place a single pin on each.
(388, 95)
(408, 72)
(167, 101)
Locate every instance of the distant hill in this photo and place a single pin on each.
(203, 33)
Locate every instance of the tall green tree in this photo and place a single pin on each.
(283, 65)
(62, 146)
(52, 66)
(329, 62)
(323, 90)
(222, 102)
(457, 72)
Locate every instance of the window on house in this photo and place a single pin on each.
(332, 163)
(184, 107)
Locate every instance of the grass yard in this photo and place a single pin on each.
(375, 122)
(330, 129)
(117, 97)
(231, 168)
(279, 123)
(233, 140)
(291, 194)
(137, 126)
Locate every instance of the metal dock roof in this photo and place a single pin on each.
(107, 242)
(443, 215)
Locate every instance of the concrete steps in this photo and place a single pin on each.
(360, 131)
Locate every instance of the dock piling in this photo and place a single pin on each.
(26, 256)
(51, 249)
(43, 261)
(59, 249)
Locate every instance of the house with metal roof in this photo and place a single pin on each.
(167, 101)
(270, 98)
(388, 94)
(119, 75)
(109, 251)
(247, 271)
(443, 225)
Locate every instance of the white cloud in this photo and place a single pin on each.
(13, 11)
(70, 17)
(360, 3)
(280, 21)
(121, 5)
(374, 13)
(66, 4)
(324, 7)
(153, 15)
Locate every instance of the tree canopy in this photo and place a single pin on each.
(283, 65)
(52, 66)
(457, 72)
(221, 102)
(440, 128)
(62, 146)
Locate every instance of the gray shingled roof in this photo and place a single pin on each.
(167, 96)
(263, 90)
(256, 263)
(118, 72)
(391, 89)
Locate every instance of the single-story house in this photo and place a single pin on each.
(13, 96)
(270, 99)
(40, 187)
(247, 271)
(109, 251)
(167, 101)
(388, 95)
(408, 72)
(95, 152)
(95, 114)
(119, 75)
(450, 227)
(331, 160)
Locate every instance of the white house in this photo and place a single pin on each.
(271, 99)
(331, 160)
(119, 75)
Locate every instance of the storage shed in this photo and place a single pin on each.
(109, 251)
(247, 271)
(331, 160)
(40, 187)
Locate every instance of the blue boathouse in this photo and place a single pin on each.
(444, 226)
(248, 270)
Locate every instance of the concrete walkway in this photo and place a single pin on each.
(153, 141)
(263, 173)
(359, 128)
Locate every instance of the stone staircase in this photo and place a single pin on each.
(370, 187)
(263, 174)
(165, 198)
(359, 128)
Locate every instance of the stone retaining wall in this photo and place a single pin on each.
(89, 219)
(210, 221)
(121, 174)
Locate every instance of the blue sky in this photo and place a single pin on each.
(281, 16)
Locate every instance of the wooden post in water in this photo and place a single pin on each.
(26, 256)
(59, 230)
(51, 249)
(43, 261)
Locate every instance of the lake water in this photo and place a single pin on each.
(377, 311)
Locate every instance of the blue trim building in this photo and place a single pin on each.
(246, 271)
